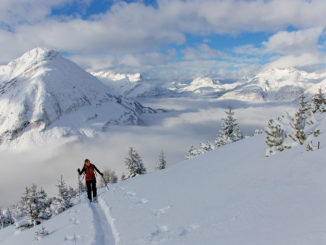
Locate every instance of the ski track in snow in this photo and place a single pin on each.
(103, 230)
(110, 219)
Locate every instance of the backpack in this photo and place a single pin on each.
(89, 172)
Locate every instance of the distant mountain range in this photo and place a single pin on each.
(45, 96)
(277, 84)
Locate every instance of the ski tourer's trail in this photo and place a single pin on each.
(103, 231)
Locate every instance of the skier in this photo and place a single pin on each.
(90, 179)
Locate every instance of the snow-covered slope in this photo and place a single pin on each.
(233, 195)
(43, 95)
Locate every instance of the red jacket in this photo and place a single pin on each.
(89, 172)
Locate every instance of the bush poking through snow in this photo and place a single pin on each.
(40, 233)
(109, 176)
(161, 161)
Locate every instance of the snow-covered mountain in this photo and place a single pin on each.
(120, 83)
(274, 84)
(133, 85)
(277, 84)
(203, 86)
(233, 195)
(43, 95)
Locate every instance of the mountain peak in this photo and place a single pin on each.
(42, 89)
(28, 61)
(37, 54)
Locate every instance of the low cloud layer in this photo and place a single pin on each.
(192, 122)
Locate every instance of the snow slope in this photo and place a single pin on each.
(45, 96)
(233, 195)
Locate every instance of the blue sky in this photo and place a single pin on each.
(222, 38)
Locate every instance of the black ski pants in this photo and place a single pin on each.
(91, 187)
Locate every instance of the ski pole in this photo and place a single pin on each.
(79, 185)
(106, 184)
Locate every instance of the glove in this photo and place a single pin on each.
(101, 174)
(78, 170)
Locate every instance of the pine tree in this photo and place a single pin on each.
(161, 162)
(29, 207)
(192, 152)
(43, 205)
(275, 136)
(65, 194)
(302, 117)
(319, 102)
(230, 130)
(1, 220)
(134, 163)
(57, 205)
(6, 218)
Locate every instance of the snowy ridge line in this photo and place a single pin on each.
(106, 210)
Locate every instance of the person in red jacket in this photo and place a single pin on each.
(90, 178)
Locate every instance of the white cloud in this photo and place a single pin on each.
(302, 60)
(133, 35)
(296, 42)
(15, 12)
(203, 51)
(135, 27)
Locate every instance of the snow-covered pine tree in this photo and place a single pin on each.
(161, 161)
(57, 206)
(28, 208)
(1, 220)
(230, 130)
(134, 163)
(319, 102)
(6, 218)
(275, 136)
(65, 194)
(192, 152)
(43, 205)
(302, 117)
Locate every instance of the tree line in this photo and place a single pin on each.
(288, 131)
(229, 132)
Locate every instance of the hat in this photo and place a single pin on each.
(86, 160)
